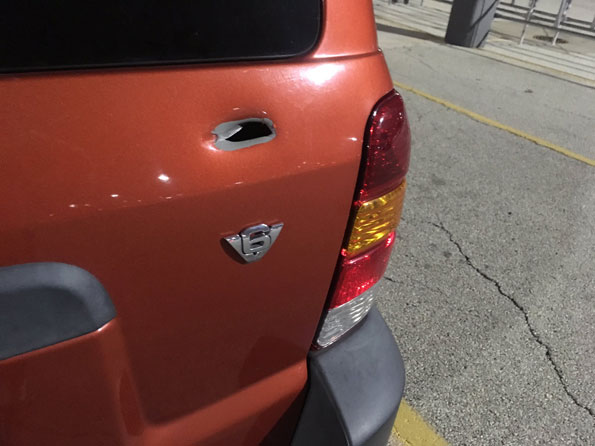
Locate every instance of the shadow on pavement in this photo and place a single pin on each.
(408, 33)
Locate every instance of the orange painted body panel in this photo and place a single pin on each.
(115, 171)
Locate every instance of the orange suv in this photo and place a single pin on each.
(197, 201)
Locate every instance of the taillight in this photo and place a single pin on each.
(388, 146)
(375, 215)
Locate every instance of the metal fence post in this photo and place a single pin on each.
(564, 7)
(530, 12)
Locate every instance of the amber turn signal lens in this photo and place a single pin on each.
(375, 220)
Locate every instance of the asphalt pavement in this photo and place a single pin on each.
(490, 291)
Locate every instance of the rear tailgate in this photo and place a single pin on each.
(116, 171)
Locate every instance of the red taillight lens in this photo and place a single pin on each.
(360, 273)
(375, 216)
(388, 143)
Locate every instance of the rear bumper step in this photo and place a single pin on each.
(355, 387)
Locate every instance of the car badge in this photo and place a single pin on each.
(254, 242)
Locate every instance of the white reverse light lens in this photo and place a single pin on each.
(343, 318)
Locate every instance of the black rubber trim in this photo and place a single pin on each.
(45, 303)
(355, 388)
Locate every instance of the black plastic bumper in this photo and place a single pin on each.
(355, 388)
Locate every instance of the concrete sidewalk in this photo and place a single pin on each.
(574, 61)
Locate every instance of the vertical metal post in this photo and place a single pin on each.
(530, 12)
(564, 7)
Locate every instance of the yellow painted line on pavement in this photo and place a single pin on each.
(412, 430)
(485, 120)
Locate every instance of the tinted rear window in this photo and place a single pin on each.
(54, 34)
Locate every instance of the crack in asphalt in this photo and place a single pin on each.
(536, 337)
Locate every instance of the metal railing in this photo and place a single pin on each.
(531, 14)
(559, 21)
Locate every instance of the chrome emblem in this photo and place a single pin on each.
(254, 242)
